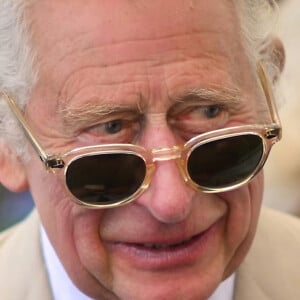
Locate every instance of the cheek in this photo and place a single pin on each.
(50, 195)
(244, 207)
(72, 230)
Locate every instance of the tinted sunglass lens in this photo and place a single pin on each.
(105, 178)
(227, 161)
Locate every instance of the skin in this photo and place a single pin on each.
(136, 59)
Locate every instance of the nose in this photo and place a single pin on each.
(168, 199)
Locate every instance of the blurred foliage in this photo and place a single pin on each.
(13, 207)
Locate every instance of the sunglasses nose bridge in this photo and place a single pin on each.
(164, 154)
(172, 153)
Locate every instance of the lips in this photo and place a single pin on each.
(166, 254)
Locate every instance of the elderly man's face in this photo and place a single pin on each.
(112, 72)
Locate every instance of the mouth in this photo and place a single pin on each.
(167, 254)
(153, 246)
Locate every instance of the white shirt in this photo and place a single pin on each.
(64, 289)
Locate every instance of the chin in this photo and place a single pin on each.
(171, 285)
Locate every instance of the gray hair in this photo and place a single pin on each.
(17, 75)
(17, 68)
(258, 18)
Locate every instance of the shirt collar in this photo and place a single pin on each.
(63, 288)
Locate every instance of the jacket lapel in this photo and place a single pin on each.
(271, 270)
(22, 271)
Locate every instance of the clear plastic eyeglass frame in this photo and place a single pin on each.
(270, 134)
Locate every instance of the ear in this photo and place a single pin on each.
(274, 55)
(12, 171)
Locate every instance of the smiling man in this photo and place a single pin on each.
(141, 128)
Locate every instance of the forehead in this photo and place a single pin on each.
(123, 18)
(204, 36)
(59, 27)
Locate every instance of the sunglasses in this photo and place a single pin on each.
(110, 175)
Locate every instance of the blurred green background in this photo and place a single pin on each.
(13, 207)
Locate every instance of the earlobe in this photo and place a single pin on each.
(12, 170)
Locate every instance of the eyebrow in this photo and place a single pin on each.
(219, 95)
(229, 98)
(89, 114)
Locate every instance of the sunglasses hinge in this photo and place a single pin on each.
(272, 133)
(54, 162)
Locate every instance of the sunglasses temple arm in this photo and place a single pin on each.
(269, 97)
(34, 142)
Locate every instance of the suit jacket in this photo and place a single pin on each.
(271, 270)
